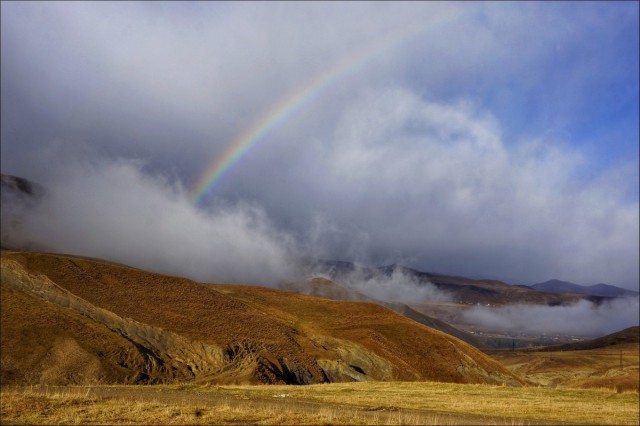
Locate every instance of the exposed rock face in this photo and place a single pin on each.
(18, 185)
(18, 196)
(73, 320)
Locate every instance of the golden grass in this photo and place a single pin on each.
(64, 408)
(592, 406)
(344, 403)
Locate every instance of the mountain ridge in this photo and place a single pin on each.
(460, 289)
(602, 290)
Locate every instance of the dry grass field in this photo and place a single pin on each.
(341, 403)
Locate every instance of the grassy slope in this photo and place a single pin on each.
(432, 354)
(287, 336)
(610, 361)
(594, 368)
(43, 339)
(322, 287)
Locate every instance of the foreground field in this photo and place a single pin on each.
(352, 403)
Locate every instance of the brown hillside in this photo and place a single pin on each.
(325, 288)
(128, 325)
(626, 336)
(42, 341)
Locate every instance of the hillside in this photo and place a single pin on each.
(75, 320)
(623, 337)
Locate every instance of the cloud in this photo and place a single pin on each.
(501, 140)
(395, 286)
(112, 210)
(435, 185)
(583, 318)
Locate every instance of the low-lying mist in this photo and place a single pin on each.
(583, 318)
(113, 210)
(396, 286)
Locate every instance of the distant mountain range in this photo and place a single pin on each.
(459, 289)
(603, 290)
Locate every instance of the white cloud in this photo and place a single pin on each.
(398, 286)
(112, 210)
(438, 181)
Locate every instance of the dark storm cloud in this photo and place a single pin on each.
(453, 151)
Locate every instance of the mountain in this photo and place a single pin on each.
(602, 290)
(557, 286)
(608, 290)
(67, 319)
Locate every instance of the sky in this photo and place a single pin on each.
(221, 140)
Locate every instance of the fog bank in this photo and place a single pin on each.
(583, 318)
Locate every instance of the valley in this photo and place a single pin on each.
(488, 338)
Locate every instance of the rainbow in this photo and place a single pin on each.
(294, 101)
